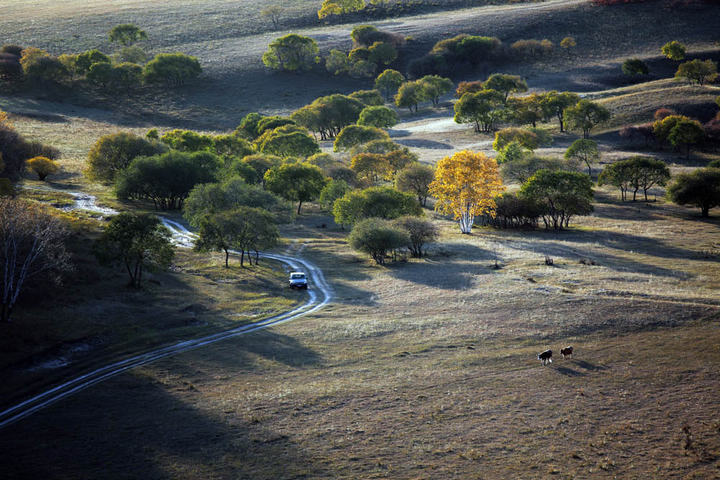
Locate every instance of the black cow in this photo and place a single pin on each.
(545, 357)
(566, 352)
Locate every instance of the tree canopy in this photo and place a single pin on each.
(561, 194)
(295, 182)
(585, 116)
(291, 53)
(172, 69)
(380, 202)
(700, 188)
(127, 34)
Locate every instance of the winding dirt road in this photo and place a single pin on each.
(319, 294)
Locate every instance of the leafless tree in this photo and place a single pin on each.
(31, 245)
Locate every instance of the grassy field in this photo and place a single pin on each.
(421, 369)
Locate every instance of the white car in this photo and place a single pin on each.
(298, 280)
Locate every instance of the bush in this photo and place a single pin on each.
(380, 117)
(380, 202)
(332, 191)
(419, 231)
(468, 87)
(513, 211)
(633, 67)
(15, 150)
(560, 194)
(524, 137)
(674, 50)
(532, 49)
(698, 71)
(42, 167)
(377, 237)
(354, 135)
(172, 69)
(661, 113)
(416, 179)
(368, 97)
(291, 53)
(46, 69)
(113, 153)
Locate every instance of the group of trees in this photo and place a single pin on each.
(695, 71)
(124, 70)
(18, 154)
(429, 87)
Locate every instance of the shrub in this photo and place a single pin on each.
(368, 97)
(380, 117)
(468, 87)
(380, 202)
(377, 237)
(42, 167)
(15, 150)
(172, 69)
(532, 49)
(700, 188)
(114, 152)
(420, 232)
(291, 53)
(633, 67)
(513, 211)
(524, 137)
(698, 71)
(332, 191)
(674, 50)
(661, 113)
(415, 178)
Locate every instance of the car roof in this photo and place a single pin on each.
(297, 273)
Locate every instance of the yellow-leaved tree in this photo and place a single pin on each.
(339, 7)
(465, 186)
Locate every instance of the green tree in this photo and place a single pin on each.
(100, 74)
(674, 50)
(291, 53)
(686, 133)
(354, 135)
(332, 191)
(172, 69)
(380, 202)
(380, 117)
(369, 98)
(46, 69)
(583, 150)
(288, 141)
(208, 198)
(295, 182)
(513, 151)
(261, 163)
(634, 67)
(505, 84)
(434, 86)
(138, 242)
(329, 115)
(339, 7)
(243, 228)
(87, 59)
(585, 116)
(526, 110)
(127, 34)
(521, 169)
(409, 95)
(420, 232)
(248, 126)
(700, 188)
(229, 147)
(555, 103)
(388, 82)
(337, 62)
(524, 137)
(382, 53)
(113, 153)
(377, 237)
(561, 194)
(698, 71)
(274, 13)
(186, 140)
(416, 178)
(618, 174)
(483, 109)
(166, 179)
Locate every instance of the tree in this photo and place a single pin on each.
(15, 150)
(274, 13)
(527, 110)
(42, 167)
(32, 245)
(329, 115)
(291, 53)
(482, 109)
(113, 153)
(434, 86)
(561, 194)
(100, 74)
(585, 116)
(168, 178)
(354, 135)
(377, 237)
(634, 67)
(700, 188)
(295, 182)
(127, 34)
(674, 50)
(31, 55)
(332, 191)
(409, 95)
(526, 138)
(230, 147)
(173, 69)
(698, 71)
(370, 166)
(261, 163)
(46, 69)
(209, 198)
(339, 7)
(380, 117)
(465, 186)
(126, 76)
(85, 60)
(416, 179)
(248, 126)
(132, 54)
(468, 87)
(686, 132)
(289, 144)
(369, 98)
(388, 82)
(638, 173)
(420, 232)
(505, 84)
(521, 169)
(583, 150)
(664, 125)
(138, 242)
(511, 152)
(382, 53)
(379, 202)
(619, 174)
(556, 103)
(243, 228)
(567, 43)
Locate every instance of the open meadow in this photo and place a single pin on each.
(422, 368)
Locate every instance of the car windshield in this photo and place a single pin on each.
(297, 276)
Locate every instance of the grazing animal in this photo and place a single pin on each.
(566, 352)
(545, 357)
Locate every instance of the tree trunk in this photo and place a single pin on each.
(635, 194)
(299, 205)
(242, 257)
(705, 211)
(227, 257)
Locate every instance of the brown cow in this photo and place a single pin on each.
(566, 352)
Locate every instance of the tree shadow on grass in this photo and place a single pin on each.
(455, 271)
(569, 372)
(134, 427)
